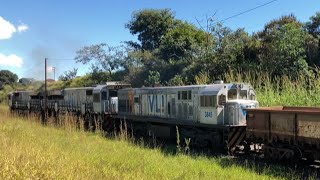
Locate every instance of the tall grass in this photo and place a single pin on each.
(271, 91)
(30, 150)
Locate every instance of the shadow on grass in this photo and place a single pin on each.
(259, 165)
(252, 162)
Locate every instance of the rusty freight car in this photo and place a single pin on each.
(285, 133)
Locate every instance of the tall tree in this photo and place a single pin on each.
(287, 47)
(150, 25)
(101, 57)
(313, 40)
(8, 77)
(184, 41)
(313, 26)
(69, 75)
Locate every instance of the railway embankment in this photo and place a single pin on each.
(31, 150)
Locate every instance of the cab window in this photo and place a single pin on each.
(243, 94)
(252, 97)
(104, 95)
(232, 94)
(184, 95)
(222, 99)
(89, 92)
(136, 99)
(208, 101)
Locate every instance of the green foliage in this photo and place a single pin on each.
(69, 75)
(202, 78)
(83, 81)
(4, 92)
(287, 47)
(281, 90)
(313, 26)
(56, 85)
(176, 81)
(181, 53)
(153, 78)
(150, 25)
(7, 77)
(102, 57)
(183, 42)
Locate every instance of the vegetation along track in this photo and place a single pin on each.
(34, 148)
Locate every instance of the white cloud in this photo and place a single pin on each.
(22, 28)
(11, 60)
(7, 29)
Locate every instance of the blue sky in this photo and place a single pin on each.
(33, 30)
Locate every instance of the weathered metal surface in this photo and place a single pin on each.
(309, 125)
(291, 129)
(282, 123)
(257, 125)
(288, 121)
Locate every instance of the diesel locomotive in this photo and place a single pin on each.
(209, 115)
(222, 116)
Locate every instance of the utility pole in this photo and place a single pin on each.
(45, 91)
(54, 73)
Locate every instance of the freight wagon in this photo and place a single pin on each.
(289, 133)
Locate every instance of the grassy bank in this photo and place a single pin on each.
(30, 150)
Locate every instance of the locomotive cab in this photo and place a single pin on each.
(239, 98)
(105, 97)
(19, 99)
(224, 104)
(212, 104)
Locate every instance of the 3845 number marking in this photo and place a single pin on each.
(207, 114)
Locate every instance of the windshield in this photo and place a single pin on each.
(232, 94)
(243, 94)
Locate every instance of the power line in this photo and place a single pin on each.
(233, 16)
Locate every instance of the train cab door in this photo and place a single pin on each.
(221, 114)
(208, 109)
(98, 100)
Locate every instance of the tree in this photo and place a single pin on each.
(153, 78)
(150, 25)
(101, 56)
(184, 41)
(269, 30)
(313, 40)
(69, 75)
(7, 77)
(313, 26)
(287, 47)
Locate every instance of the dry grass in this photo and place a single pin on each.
(30, 150)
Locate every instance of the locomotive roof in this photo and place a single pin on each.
(211, 87)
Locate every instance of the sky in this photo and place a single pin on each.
(31, 31)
